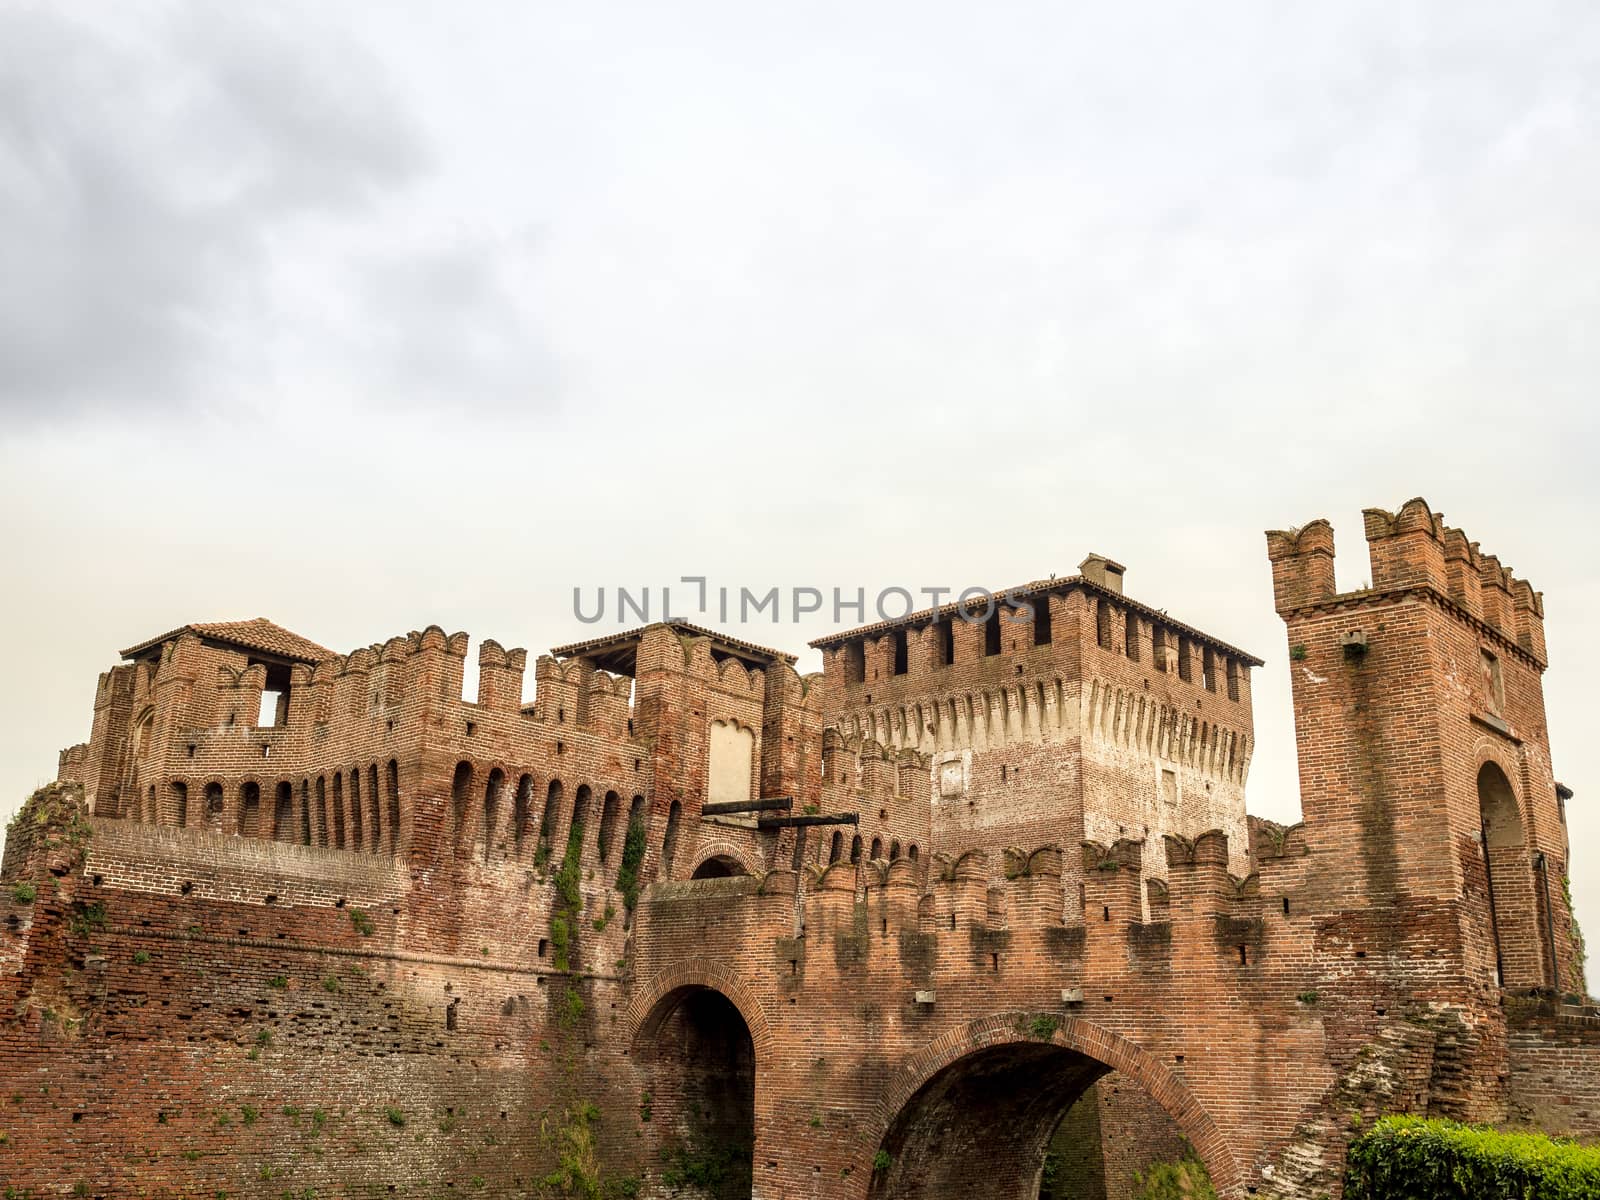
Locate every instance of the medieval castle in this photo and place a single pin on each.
(977, 911)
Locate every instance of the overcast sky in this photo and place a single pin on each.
(368, 316)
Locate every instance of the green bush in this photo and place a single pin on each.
(1441, 1160)
(24, 892)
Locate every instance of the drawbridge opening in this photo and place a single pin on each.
(701, 1062)
(1023, 1121)
(719, 866)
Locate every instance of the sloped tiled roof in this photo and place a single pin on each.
(258, 634)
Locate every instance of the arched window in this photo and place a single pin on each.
(460, 799)
(283, 813)
(837, 848)
(669, 844)
(394, 806)
(491, 810)
(547, 824)
(608, 825)
(877, 849)
(250, 809)
(894, 851)
(357, 840)
(911, 852)
(322, 810)
(305, 812)
(522, 816)
(338, 810)
(855, 849)
(374, 810)
(213, 814)
(180, 804)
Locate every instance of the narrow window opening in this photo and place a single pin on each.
(1185, 660)
(1158, 647)
(460, 790)
(946, 640)
(1130, 636)
(1102, 624)
(1041, 621)
(1494, 687)
(855, 849)
(1286, 906)
(877, 849)
(250, 810)
(991, 633)
(836, 849)
(1244, 957)
(1233, 678)
(491, 810)
(608, 825)
(855, 663)
(901, 655)
(1105, 912)
(669, 845)
(1208, 667)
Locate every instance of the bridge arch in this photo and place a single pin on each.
(973, 1111)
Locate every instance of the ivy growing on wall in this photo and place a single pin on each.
(632, 855)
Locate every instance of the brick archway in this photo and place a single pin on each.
(1093, 1042)
(652, 1003)
(709, 848)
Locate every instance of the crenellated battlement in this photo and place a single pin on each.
(1410, 549)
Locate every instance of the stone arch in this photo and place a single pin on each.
(1076, 1045)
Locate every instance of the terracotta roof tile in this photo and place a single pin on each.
(258, 634)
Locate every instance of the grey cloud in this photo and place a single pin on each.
(156, 188)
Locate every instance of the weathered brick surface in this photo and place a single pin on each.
(339, 955)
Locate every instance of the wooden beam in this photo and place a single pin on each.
(771, 804)
(810, 819)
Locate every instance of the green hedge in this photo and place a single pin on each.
(1409, 1158)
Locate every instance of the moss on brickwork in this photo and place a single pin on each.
(1186, 1179)
(1577, 974)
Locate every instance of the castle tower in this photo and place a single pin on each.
(1425, 772)
(1055, 712)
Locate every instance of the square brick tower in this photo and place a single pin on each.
(1061, 711)
(1425, 773)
